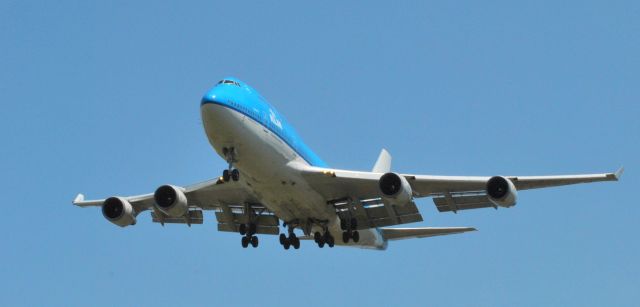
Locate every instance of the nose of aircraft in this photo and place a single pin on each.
(213, 95)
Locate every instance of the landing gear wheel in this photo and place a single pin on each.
(317, 236)
(226, 176)
(295, 242)
(345, 237)
(356, 236)
(283, 238)
(254, 241)
(235, 175)
(243, 229)
(286, 244)
(330, 241)
(245, 242)
(321, 244)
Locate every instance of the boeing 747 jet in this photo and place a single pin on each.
(274, 180)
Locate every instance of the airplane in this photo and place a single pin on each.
(273, 176)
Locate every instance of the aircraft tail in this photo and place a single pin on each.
(383, 164)
(421, 232)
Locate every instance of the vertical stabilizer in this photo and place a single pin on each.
(383, 165)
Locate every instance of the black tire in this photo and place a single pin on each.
(356, 236)
(252, 229)
(226, 176)
(296, 243)
(326, 236)
(245, 242)
(331, 241)
(286, 244)
(283, 238)
(243, 229)
(345, 237)
(235, 175)
(254, 241)
(321, 244)
(317, 236)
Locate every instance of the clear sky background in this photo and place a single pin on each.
(103, 98)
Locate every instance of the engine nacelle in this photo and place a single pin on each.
(395, 189)
(119, 211)
(171, 201)
(502, 192)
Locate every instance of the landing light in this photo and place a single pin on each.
(329, 173)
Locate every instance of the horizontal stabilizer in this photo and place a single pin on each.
(421, 232)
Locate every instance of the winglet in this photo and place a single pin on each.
(78, 199)
(619, 173)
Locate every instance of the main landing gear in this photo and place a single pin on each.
(322, 239)
(291, 240)
(248, 232)
(230, 173)
(349, 230)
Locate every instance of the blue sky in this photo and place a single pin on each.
(103, 98)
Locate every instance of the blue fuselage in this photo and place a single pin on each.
(238, 96)
(266, 149)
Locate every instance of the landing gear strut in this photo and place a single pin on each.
(324, 238)
(350, 232)
(248, 232)
(230, 173)
(291, 240)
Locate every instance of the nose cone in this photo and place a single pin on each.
(225, 90)
(214, 95)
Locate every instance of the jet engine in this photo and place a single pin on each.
(502, 192)
(395, 189)
(171, 201)
(119, 211)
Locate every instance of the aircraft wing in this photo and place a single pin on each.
(451, 193)
(205, 195)
(229, 200)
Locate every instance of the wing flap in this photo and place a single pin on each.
(265, 230)
(453, 203)
(193, 217)
(372, 213)
(230, 221)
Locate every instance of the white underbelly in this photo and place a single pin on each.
(262, 159)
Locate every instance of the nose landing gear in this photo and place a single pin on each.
(230, 173)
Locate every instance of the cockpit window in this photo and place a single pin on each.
(229, 82)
